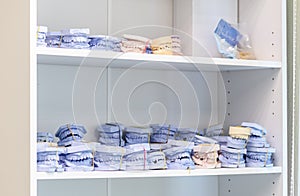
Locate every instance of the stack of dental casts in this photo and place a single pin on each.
(160, 146)
(70, 38)
(41, 36)
(70, 134)
(78, 157)
(134, 43)
(205, 153)
(259, 152)
(136, 156)
(109, 158)
(168, 45)
(80, 38)
(75, 38)
(135, 135)
(111, 134)
(106, 43)
(162, 133)
(48, 157)
(178, 155)
(233, 153)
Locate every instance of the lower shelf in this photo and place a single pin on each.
(156, 173)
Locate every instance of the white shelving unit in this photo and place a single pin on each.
(196, 90)
(126, 60)
(158, 173)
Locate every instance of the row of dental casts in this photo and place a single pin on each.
(80, 39)
(155, 147)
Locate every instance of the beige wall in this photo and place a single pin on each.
(14, 98)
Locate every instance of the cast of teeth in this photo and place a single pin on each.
(69, 133)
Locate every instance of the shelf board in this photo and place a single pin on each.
(156, 173)
(78, 57)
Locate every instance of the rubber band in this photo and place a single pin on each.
(239, 156)
(145, 159)
(169, 129)
(60, 41)
(71, 132)
(266, 158)
(121, 159)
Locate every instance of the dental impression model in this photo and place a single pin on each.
(136, 157)
(48, 158)
(162, 133)
(206, 156)
(69, 133)
(78, 158)
(179, 158)
(109, 158)
(134, 135)
(111, 134)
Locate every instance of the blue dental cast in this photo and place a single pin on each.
(162, 133)
(136, 157)
(203, 140)
(48, 158)
(256, 129)
(214, 130)
(232, 158)
(109, 158)
(135, 135)
(107, 43)
(236, 143)
(179, 158)
(44, 137)
(185, 134)
(70, 133)
(54, 39)
(259, 152)
(259, 157)
(157, 160)
(79, 158)
(75, 38)
(111, 134)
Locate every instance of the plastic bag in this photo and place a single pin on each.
(231, 43)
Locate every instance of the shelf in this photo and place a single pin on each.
(156, 173)
(60, 56)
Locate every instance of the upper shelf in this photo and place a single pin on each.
(79, 57)
(157, 173)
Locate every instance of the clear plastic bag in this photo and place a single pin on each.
(232, 43)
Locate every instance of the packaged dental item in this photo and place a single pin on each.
(231, 43)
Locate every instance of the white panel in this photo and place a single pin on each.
(89, 187)
(250, 185)
(206, 15)
(165, 186)
(255, 96)
(69, 94)
(264, 27)
(183, 19)
(142, 97)
(58, 15)
(133, 17)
